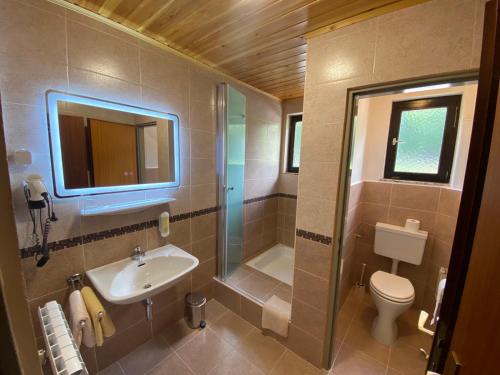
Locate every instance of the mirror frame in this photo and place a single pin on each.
(60, 191)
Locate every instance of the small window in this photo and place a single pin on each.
(294, 141)
(422, 137)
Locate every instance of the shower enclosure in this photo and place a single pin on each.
(231, 124)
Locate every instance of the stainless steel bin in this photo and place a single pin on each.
(195, 310)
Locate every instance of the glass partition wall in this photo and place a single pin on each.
(231, 109)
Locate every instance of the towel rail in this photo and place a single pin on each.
(61, 349)
(77, 280)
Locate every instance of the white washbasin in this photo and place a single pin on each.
(125, 281)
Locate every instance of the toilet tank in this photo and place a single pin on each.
(399, 243)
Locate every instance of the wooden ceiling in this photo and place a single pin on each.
(260, 42)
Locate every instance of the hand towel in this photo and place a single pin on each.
(78, 313)
(103, 326)
(276, 315)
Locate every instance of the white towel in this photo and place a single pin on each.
(276, 315)
(78, 314)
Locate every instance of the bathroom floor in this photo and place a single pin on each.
(228, 345)
(358, 353)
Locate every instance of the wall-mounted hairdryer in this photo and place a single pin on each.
(37, 198)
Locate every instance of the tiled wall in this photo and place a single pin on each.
(439, 36)
(44, 46)
(287, 205)
(436, 208)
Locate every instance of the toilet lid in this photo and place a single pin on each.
(393, 287)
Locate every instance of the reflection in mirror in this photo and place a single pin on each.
(106, 145)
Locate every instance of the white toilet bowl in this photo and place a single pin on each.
(392, 295)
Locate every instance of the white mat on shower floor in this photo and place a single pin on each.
(276, 262)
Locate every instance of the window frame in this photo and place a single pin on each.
(292, 123)
(452, 103)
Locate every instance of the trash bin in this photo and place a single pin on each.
(195, 310)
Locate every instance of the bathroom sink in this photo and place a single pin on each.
(129, 281)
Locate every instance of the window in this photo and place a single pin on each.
(422, 138)
(294, 141)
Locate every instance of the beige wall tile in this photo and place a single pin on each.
(400, 43)
(398, 216)
(315, 215)
(449, 202)
(309, 319)
(445, 228)
(52, 276)
(313, 257)
(203, 226)
(376, 192)
(305, 345)
(415, 196)
(373, 213)
(310, 289)
(101, 53)
(99, 253)
(121, 344)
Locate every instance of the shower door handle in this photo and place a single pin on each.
(229, 188)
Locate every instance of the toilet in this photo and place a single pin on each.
(393, 294)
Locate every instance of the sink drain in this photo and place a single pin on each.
(147, 286)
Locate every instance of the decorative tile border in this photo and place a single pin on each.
(325, 240)
(263, 198)
(116, 232)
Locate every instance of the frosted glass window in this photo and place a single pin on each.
(420, 140)
(422, 137)
(294, 142)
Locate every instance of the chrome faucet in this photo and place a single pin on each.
(138, 255)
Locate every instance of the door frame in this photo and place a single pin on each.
(344, 183)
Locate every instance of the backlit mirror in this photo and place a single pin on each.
(100, 147)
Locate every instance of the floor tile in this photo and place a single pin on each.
(114, 369)
(172, 365)
(291, 364)
(407, 360)
(361, 339)
(179, 334)
(353, 362)
(214, 310)
(263, 351)
(232, 328)
(204, 352)
(234, 363)
(146, 356)
(257, 286)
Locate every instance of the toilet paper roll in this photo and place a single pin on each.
(412, 224)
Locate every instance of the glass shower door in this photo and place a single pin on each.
(231, 170)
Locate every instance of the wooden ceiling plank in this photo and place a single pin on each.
(108, 7)
(364, 16)
(208, 14)
(259, 29)
(284, 68)
(239, 13)
(144, 17)
(271, 77)
(282, 85)
(236, 50)
(277, 78)
(233, 30)
(264, 57)
(280, 63)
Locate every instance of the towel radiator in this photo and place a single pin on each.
(61, 349)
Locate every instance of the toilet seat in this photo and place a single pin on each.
(392, 287)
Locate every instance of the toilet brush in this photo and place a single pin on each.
(360, 283)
